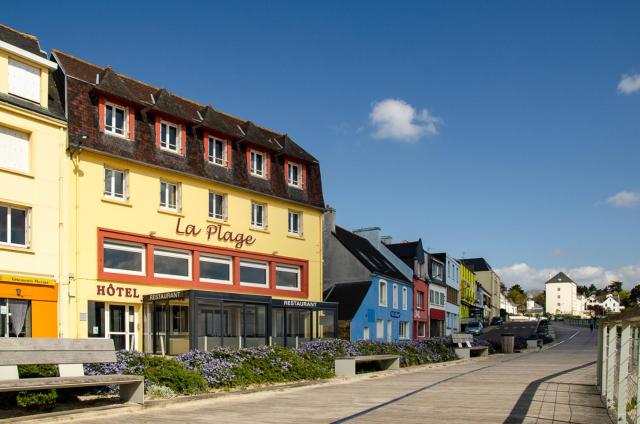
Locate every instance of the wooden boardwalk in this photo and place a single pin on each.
(553, 386)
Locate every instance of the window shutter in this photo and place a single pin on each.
(228, 153)
(132, 124)
(24, 80)
(14, 149)
(183, 140)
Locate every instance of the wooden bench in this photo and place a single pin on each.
(346, 366)
(464, 348)
(69, 355)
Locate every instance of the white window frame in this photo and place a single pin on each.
(383, 295)
(394, 296)
(405, 298)
(379, 329)
(125, 122)
(166, 147)
(403, 325)
(211, 158)
(127, 247)
(166, 193)
(290, 182)
(26, 68)
(289, 221)
(291, 269)
(219, 260)
(261, 173)
(27, 227)
(258, 265)
(365, 333)
(212, 212)
(14, 144)
(172, 253)
(125, 184)
(254, 221)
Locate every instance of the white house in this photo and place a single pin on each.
(508, 305)
(609, 302)
(533, 307)
(562, 296)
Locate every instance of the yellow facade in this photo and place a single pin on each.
(39, 190)
(467, 291)
(140, 215)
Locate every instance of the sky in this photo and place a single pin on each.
(505, 129)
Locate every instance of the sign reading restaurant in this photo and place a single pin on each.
(165, 296)
(215, 231)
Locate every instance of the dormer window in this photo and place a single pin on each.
(116, 119)
(170, 137)
(24, 81)
(258, 162)
(217, 151)
(294, 175)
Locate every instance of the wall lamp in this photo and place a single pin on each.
(77, 147)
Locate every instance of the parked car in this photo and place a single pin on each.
(473, 327)
(497, 321)
(559, 318)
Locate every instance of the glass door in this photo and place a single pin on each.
(122, 320)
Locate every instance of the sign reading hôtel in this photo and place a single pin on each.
(214, 231)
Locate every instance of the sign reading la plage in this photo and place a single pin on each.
(215, 232)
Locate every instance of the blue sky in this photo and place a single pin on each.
(496, 129)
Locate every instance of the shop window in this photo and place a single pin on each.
(116, 119)
(169, 196)
(14, 150)
(14, 226)
(115, 184)
(215, 269)
(259, 215)
(24, 81)
(123, 258)
(380, 329)
(15, 318)
(179, 319)
(96, 315)
(172, 264)
(255, 325)
(113, 321)
(287, 277)
(326, 327)
(254, 273)
(217, 206)
(295, 223)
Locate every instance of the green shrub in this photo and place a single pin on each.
(161, 371)
(37, 400)
(35, 371)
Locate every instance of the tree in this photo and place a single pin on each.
(615, 286)
(625, 299)
(592, 289)
(517, 295)
(597, 309)
(583, 290)
(540, 299)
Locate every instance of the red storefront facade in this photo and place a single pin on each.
(420, 309)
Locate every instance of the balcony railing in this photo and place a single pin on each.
(618, 371)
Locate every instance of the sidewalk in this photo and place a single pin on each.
(556, 385)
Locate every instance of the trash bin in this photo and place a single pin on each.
(507, 340)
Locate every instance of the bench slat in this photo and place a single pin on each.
(23, 351)
(66, 382)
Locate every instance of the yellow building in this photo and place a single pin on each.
(33, 136)
(190, 228)
(467, 294)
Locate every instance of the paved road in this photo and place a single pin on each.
(553, 386)
(519, 328)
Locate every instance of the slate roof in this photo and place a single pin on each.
(476, 264)
(368, 255)
(409, 249)
(560, 277)
(21, 40)
(161, 100)
(349, 296)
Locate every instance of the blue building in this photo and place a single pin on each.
(375, 298)
(452, 304)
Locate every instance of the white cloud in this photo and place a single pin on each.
(396, 119)
(534, 278)
(624, 199)
(629, 84)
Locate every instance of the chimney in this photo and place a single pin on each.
(370, 233)
(329, 219)
(386, 239)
